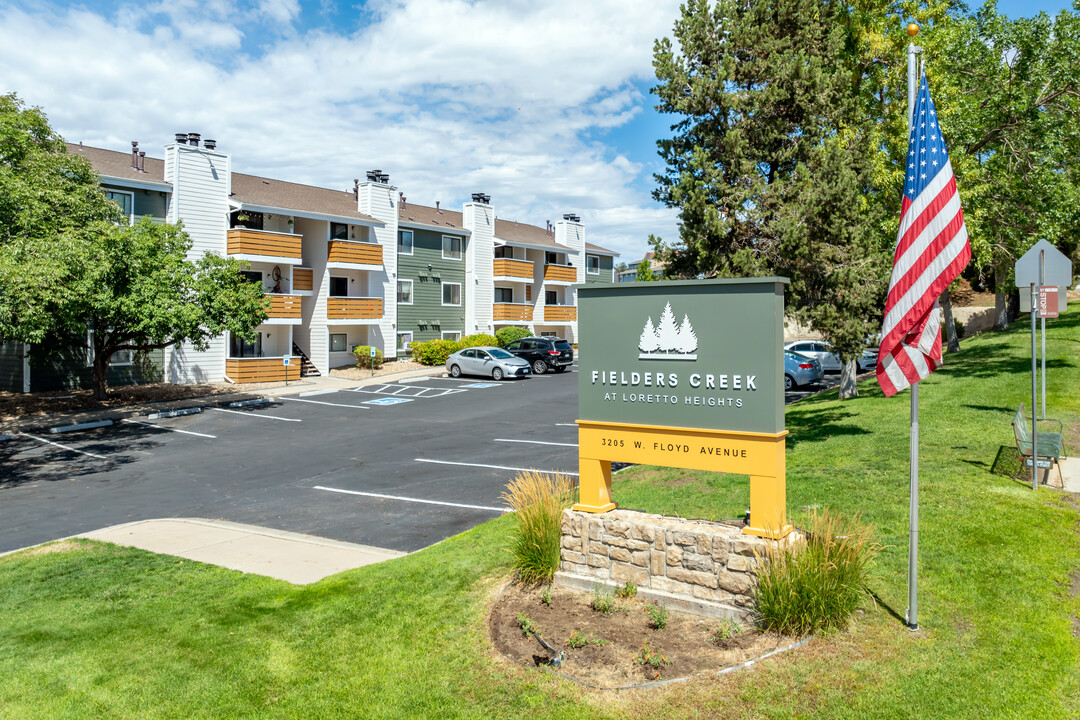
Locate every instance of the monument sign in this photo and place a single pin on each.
(685, 374)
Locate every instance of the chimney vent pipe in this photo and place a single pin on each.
(181, 138)
(437, 207)
(210, 144)
(134, 152)
(193, 139)
(142, 161)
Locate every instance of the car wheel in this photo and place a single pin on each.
(455, 371)
(539, 367)
(789, 383)
(497, 374)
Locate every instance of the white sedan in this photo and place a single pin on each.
(830, 361)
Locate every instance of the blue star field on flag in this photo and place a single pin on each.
(926, 148)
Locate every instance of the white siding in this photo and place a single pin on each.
(380, 202)
(313, 336)
(572, 235)
(479, 265)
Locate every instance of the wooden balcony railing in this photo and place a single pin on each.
(244, 241)
(560, 273)
(507, 267)
(512, 311)
(301, 278)
(354, 308)
(560, 313)
(284, 306)
(356, 253)
(268, 369)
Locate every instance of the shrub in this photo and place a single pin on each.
(579, 639)
(545, 597)
(537, 500)
(725, 630)
(627, 591)
(478, 340)
(816, 583)
(651, 657)
(603, 601)
(528, 627)
(434, 352)
(509, 334)
(364, 359)
(657, 615)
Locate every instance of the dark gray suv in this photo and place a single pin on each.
(544, 353)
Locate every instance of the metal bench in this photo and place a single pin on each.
(1050, 443)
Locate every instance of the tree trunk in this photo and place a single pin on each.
(101, 376)
(1001, 299)
(950, 326)
(848, 389)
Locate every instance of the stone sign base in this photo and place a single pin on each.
(696, 566)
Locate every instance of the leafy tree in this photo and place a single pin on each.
(68, 264)
(644, 270)
(770, 165)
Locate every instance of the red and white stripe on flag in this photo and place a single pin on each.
(931, 250)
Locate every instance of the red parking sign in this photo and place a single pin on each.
(1048, 301)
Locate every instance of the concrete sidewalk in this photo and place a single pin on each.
(304, 385)
(288, 556)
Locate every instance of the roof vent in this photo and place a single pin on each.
(135, 154)
(481, 198)
(193, 139)
(437, 208)
(356, 188)
(571, 217)
(210, 144)
(142, 161)
(384, 178)
(373, 175)
(181, 138)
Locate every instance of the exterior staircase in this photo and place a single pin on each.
(307, 368)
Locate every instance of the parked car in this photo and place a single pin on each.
(830, 361)
(800, 370)
(543, 353)
(491, 362)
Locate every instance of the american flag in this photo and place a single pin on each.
(931, 250)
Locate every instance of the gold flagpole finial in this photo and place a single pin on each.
(912, 30)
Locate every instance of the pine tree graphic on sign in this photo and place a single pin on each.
(668, 341)
(648, 342)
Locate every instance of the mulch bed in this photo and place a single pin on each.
(18, 405)
(686, 641)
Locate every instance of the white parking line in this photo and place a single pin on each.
(565, 424)
(251, 414)
(320, 402)
(309, 393)
(414, 500)
(535, 442)
(164, 427)
(65, 447)
(495, 467)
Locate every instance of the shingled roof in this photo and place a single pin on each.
(423, 215)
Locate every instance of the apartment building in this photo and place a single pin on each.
(341, 268)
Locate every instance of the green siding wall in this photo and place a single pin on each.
(146, 202)
(606, 264)
(427, 318)
(66, 370)
(11, 366)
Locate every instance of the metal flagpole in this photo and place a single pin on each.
(1034, 394)
(1042, 332)
(913, 532)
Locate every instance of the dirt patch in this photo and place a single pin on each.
(56, 547)
(967, 296)
(687, 642)
(18, 405)
(351, 372)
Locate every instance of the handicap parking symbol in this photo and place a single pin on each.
(387, 401)
(480, 385)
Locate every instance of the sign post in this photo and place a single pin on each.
(372, 361)
(685, 374)
(285, 360)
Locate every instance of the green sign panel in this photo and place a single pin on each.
(690, 354)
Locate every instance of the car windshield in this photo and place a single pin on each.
(500, 354)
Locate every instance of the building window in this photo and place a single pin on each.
(339, 286)
(126, 201)
(404, 341)
(504, 295)
(451, 293)
(451, 335)
(549, 333)
(451, 247)
(404, 242)
(404, 292)
(504, 251)
(339, 342)
(253, 276)
(592, 264)
(241, 348)
(551, 258)
(551, 297)
(339, 231)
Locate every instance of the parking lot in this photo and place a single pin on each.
(398, 465)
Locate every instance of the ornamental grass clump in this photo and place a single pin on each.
(817, 583)
(537, 500)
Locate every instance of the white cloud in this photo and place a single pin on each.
(450, 97)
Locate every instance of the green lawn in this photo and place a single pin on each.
(100, 631)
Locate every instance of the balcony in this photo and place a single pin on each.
(510, 269)
(512, 312)
(348, 309)
(284, 308)
(269, 369)
(301, 280)
(560, 313)
(343, 252)
(560, 273)
(264, 245)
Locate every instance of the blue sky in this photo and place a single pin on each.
(542, 104)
